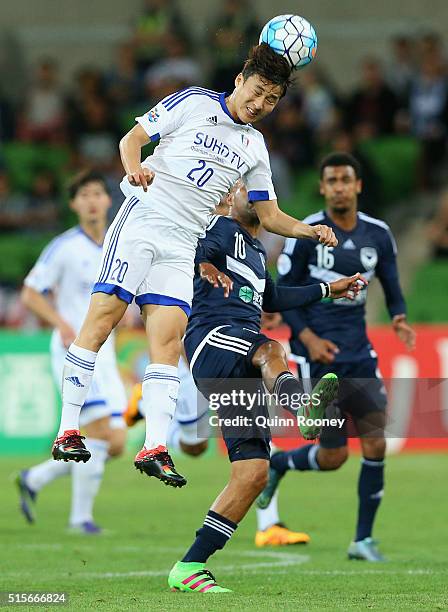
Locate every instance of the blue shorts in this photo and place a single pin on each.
(221, 353)
(362, 397)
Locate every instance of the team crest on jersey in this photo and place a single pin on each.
(245, 140)
(153, 115)
(369, 257)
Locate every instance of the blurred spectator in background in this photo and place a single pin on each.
(14, 206)
(318, 103)
(113, 175)
(121, 82)
(431, 46)
(438, 229)
(88, 83)
(43, 201)
(95, 132)
(428, 108)
(43, 117)
(371, 109)
(150, 40)
(7, 121)
(13, 69)
(291, 135)
(177, 67)
(369, 200)
(233, 32)
(401, 68)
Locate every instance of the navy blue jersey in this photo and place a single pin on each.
(231, 249)
(370, 249)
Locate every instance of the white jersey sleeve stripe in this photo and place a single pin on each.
(169, 99)
(188, 94)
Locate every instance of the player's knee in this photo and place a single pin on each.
(332, 458)
(104, 313)
(166, 349)
(117, 441)
(255, 478)
(374, 448)
(99, 429)
(101, 330)
(260, 480)
(194, 450)
(116, 449)
(267, 352)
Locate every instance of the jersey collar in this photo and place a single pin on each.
(81, 231)
(222, 101)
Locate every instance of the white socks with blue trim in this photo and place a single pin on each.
(76, 379)
(160, 390)
(86, 481)
(42, 474)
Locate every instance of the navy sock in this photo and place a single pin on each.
(370, 492)
(288, 386)
(212, 536)
(302, 458)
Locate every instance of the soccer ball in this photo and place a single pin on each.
(291, 36)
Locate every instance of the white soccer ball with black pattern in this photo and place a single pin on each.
(293, 37)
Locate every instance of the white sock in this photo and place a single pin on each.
(42, 474)
(173, 439)
(76, 378)
(269, 516)
(160, 389)
(86, 481)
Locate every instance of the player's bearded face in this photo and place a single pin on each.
(255, 97)
(340, 187)
(242, 209)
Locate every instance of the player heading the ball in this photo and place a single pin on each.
(206, 143)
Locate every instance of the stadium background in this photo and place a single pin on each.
(73, 76)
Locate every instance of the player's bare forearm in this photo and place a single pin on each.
(276, 221)
(40, 306)
(131, 153)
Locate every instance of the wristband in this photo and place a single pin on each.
(326, 290)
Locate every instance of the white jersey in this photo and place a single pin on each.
(201, 154)
(68, 267)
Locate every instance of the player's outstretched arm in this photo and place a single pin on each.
(131, 157)
(348, 287)
(276, 221)
(41, 307)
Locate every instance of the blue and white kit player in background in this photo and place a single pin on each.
(333, 337)
(207, 142)
(67, 269)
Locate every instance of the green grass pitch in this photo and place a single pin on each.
(149, 526)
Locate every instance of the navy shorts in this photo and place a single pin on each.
(362, 398)
(217, 355)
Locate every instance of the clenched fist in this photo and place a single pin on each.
(325, 235)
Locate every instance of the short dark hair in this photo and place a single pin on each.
(269, 65)
(84, 178)
(340, 159)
